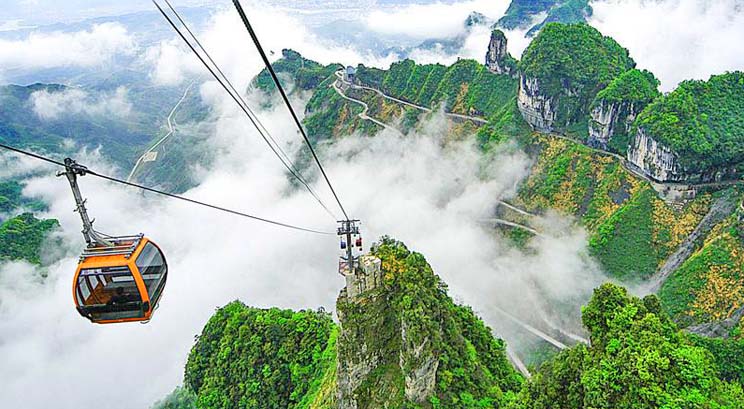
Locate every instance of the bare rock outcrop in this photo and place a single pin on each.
(654, 159)
(537, 109)
(498, 59)
(608, 119)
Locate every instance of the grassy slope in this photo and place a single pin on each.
(710, 284)
(632, 230)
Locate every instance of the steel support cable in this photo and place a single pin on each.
(162, 193)
(245, 104)
(243, 108)
(267, 63)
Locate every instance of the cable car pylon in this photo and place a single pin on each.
(348, 230)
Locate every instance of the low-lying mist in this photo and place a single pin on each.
(427, 192)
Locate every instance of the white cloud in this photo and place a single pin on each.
(676, 39)
(436, 20)
(60, 49)
(416, 188)
(50, 105)
(229, 44)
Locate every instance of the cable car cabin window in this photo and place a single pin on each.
(153, 269)
(108, 293)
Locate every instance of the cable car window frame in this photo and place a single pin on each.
(106, 276)
(145, 258)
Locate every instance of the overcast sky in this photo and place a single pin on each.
(39, 12)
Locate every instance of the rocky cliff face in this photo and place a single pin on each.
(537, 109)
(404, 343)
(608, 119)
(656, 160)
(498, 59)
(377, 354)
(661, 164)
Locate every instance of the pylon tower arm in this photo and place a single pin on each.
(346, 229)
(72, 171)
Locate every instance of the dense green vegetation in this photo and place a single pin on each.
(252, 358)
(180, 398)
(465, 87)
(305, 74)
(21, 237)
(505, 123)
(623, 243)
(701, 121)
(709, 285)
(571, 64)
(11, 197)
(728, 354)
(629, 93)
(633, 86)
(472, 371)
(637, 359)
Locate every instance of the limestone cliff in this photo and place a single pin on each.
(404, 343)
(537, 108)
(498, 59)
(561, 73)
(656, 160)
(659, 162)
(616, 107)
(608, 119)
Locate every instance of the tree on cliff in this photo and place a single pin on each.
(637, 359)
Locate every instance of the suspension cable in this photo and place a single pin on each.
(171, 195)
(246, 110)
(267, 63)
(244, 103)
(229, 84)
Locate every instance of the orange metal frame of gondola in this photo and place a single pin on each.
(125, 253)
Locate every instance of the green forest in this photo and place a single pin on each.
(571, 64)
(22, 237)
(638, 357)
(701, 121)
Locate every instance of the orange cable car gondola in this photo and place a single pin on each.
(118, 279)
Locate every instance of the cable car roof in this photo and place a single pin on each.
(123, 246)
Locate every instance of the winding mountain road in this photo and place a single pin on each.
(151, 154)
(720, 209)
(512, 224)
(476, 119)
(363, 114)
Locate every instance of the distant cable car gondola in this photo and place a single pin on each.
(118, 279)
